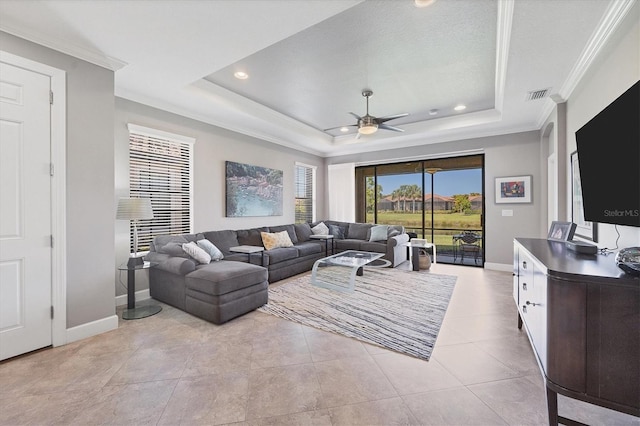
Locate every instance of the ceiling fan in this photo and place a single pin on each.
(369, 124)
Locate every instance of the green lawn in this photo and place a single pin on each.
(413, 221)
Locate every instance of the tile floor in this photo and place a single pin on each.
(175, 369)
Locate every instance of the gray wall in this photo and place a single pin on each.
(89, 156)
(212, 148)
(506, 155)
(612, 73)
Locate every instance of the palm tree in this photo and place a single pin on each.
(395, 196)
(414, 192)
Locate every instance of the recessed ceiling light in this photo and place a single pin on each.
(424, 3)
(241, 75)
(344, 129)
(433, 112)
(460, 107)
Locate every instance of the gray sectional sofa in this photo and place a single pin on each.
(225, 289)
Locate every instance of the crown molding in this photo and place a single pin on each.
(207, 119)
(503, 40)
(611, 20)
(613, 17)
(68, 48)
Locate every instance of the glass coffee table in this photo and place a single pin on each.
(338, 272)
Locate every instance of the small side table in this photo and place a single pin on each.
(415, 253)
(326, 239)
(249, 250)
(132, 312)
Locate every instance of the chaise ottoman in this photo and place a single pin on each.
(223, 290)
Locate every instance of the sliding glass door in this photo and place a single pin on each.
(440, 200)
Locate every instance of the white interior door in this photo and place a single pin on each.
(25, 211)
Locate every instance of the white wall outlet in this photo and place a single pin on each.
(507, 212)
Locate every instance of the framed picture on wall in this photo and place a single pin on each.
(252, 190)
(513, 189)
(584, 229)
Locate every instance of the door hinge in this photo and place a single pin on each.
(51, 311)
(51, 97)
(51, 169)
(51, 241)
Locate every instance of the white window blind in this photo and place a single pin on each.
(305, 193)
(160, 168)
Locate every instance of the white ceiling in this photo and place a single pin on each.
(309, 61)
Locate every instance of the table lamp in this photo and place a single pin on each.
(134, 209)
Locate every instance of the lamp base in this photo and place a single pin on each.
(135, 261)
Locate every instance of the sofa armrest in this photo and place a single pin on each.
(396, 249)
(176, 265)
(398, 240)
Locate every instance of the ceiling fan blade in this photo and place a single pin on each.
(340, 127)
(387, 127)
(356, 116)
(390, 117)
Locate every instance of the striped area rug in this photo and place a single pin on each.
(396, 309)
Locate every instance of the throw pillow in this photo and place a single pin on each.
(276, 240)
(196, 252)
(392, 233)
(210, 248)
(379, 233)
(320, 229)
(173, 249)
(336, 231)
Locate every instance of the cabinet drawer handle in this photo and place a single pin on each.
(532, 304)
(524, 286)
(524, 264)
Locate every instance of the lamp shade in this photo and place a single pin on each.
(134, 209)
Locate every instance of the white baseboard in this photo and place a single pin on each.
(498, 267)
(92, 328)
(140, 295)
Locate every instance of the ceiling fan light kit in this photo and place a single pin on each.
(368, 124)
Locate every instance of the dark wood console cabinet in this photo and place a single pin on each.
(582, 316)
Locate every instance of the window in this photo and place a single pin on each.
(438, 199)
(160, 168)
(305, 189)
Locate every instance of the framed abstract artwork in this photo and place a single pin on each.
(252, 190)
(513, 189)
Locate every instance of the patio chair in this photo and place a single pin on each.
(469, 245)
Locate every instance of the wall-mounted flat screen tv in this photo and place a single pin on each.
(609, 157)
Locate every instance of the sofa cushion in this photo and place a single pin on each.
(272, 240)
(223, 277)
(173, 248)
(210, 248)
(223, 239)
(291, 230)
(303, 231)
(378, 233)
(251, 237)
(358, 231)
(279, 254)
(348, 244)
(161, 240)
(196, 252)
(336, 231)
(309, 247)
(376, 247)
